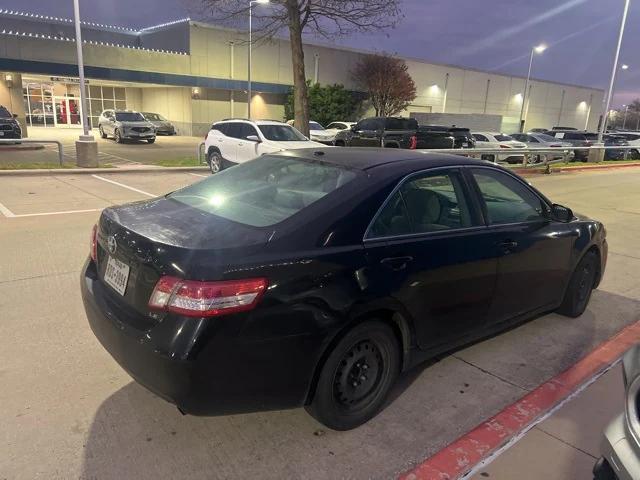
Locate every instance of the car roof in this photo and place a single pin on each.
(363, 158)
(246, 120)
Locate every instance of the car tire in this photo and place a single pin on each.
(356, 377)
(102, 134)
(118, 137)
(583, 280)
(602, 470)
(151, 140)
(214, 159)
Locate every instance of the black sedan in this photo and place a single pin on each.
(315, 277)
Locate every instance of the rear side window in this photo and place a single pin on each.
(506, 199)
(401, 124)
(265, 191)
(221, 127)
(480, 138)
(424, 204)
(574, 136)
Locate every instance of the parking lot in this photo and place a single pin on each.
(166, 149)
(69, 411)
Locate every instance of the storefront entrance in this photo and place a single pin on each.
(67, 112)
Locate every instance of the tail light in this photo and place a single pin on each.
(94, 243)
(413, 142)
(206, 299)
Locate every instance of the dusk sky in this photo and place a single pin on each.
(494, 35)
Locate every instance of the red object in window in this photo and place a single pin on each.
(413, 142)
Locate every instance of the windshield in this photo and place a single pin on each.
(4, 113)
(315, 126)
(503, 138)
(265, 191)
(129, 117)
(156, 117)
(545, 138)
(281, 133)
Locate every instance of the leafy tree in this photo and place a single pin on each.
(326, 18)
(327, 103)
(387, 81)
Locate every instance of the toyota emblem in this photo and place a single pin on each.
(111, 244)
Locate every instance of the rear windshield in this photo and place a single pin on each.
(156, 117)
(281, 133)
(503, 138)
(129, 117)
(4, 113)
(545, 138)
(264, 191)
(315, 126)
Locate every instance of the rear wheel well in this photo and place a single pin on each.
(394, 320)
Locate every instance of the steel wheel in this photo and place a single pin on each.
(358, 374)
(356, 377)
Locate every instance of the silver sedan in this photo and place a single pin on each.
(542, 140)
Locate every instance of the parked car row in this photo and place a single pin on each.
(124, 125)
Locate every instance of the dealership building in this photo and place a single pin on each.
(194, 74)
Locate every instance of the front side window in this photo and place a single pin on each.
(281, 133)
(129, 117)
(507, 200)
(247, 131)
(424, 204)
(265, 191)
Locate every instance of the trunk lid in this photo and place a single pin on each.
(165, 237)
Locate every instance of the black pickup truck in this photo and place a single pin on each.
(399, 132)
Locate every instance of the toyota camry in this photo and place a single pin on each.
(313, 278)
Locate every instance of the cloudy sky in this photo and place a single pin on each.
(491, 34)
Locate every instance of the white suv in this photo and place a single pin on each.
(237, 141)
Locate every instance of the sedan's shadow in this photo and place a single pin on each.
(136, 435)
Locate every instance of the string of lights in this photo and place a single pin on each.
(43, 36)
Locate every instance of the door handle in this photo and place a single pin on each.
(396, 263)
(508, 245)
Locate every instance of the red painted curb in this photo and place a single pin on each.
(462, 455)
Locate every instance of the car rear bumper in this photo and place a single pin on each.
(618, 449)
(203, 366)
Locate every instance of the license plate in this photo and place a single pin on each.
(116, 275)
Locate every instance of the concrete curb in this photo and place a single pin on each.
(542, 170)
(18, 148)
(460, 457)
(74, 171)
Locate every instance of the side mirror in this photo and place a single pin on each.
(15, 115)
(354, 128)
(561, 214)
(253, 138)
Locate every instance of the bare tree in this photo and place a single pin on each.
(387, 82)
(326, 18)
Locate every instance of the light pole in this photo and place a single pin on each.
(624, 119)
(538, 49)
(83, 92)
(605, 113)
(251, 3)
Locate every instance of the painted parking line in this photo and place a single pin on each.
(9, 214)
(477, 448)
(125, 186)
(199, 175)
(6, 212)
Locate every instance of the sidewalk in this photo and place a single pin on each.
(567, 444)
